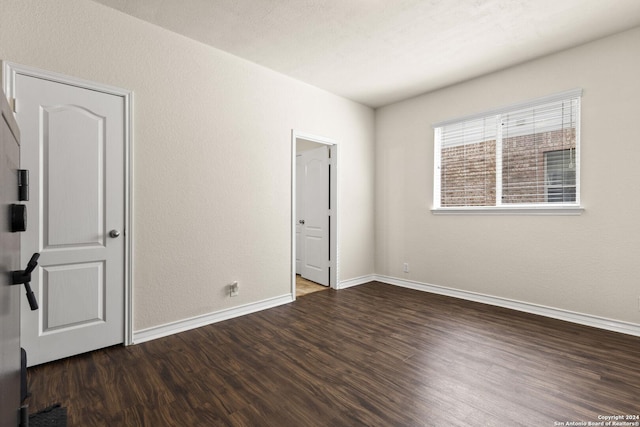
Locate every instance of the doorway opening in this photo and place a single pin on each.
(314, 230)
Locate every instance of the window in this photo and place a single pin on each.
(523, 156)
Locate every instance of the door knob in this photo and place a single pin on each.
(301, 221)
(114, 233)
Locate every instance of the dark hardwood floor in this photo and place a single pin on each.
(372, 355)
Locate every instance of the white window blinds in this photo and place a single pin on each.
(468, 162)
(524, 155)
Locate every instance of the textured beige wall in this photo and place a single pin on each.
(212, 147)
(588, 264)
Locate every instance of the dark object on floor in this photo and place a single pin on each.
(53, 416)
(24, 393)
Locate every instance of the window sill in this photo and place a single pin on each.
(511, 210)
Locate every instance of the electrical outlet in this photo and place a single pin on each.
(234, 289)
(405, 267)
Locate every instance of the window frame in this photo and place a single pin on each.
(553, 208)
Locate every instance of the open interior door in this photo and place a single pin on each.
(10, 365)
(312, 222)
(73, 143)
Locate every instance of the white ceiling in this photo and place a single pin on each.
(380, 51)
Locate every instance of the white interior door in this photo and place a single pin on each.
(299, 212)
(313, 214)
(73, 143)
(10, 294)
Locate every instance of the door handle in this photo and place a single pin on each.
(114, 233)
(23, 277)
(301, 221)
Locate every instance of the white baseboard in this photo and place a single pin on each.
(344, 284)
(207, 319)
(555, 313)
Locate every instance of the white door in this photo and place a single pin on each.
(312, 170)
(73, 145)
(299, 212)
(10, 294)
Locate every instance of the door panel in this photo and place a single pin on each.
(73, 144)
(76, 180)
(9, 261)
(84, 282)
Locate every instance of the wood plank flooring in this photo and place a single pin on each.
(371, 355)
(305, 287)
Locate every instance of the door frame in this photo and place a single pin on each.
(334, 234)
(9, 72)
